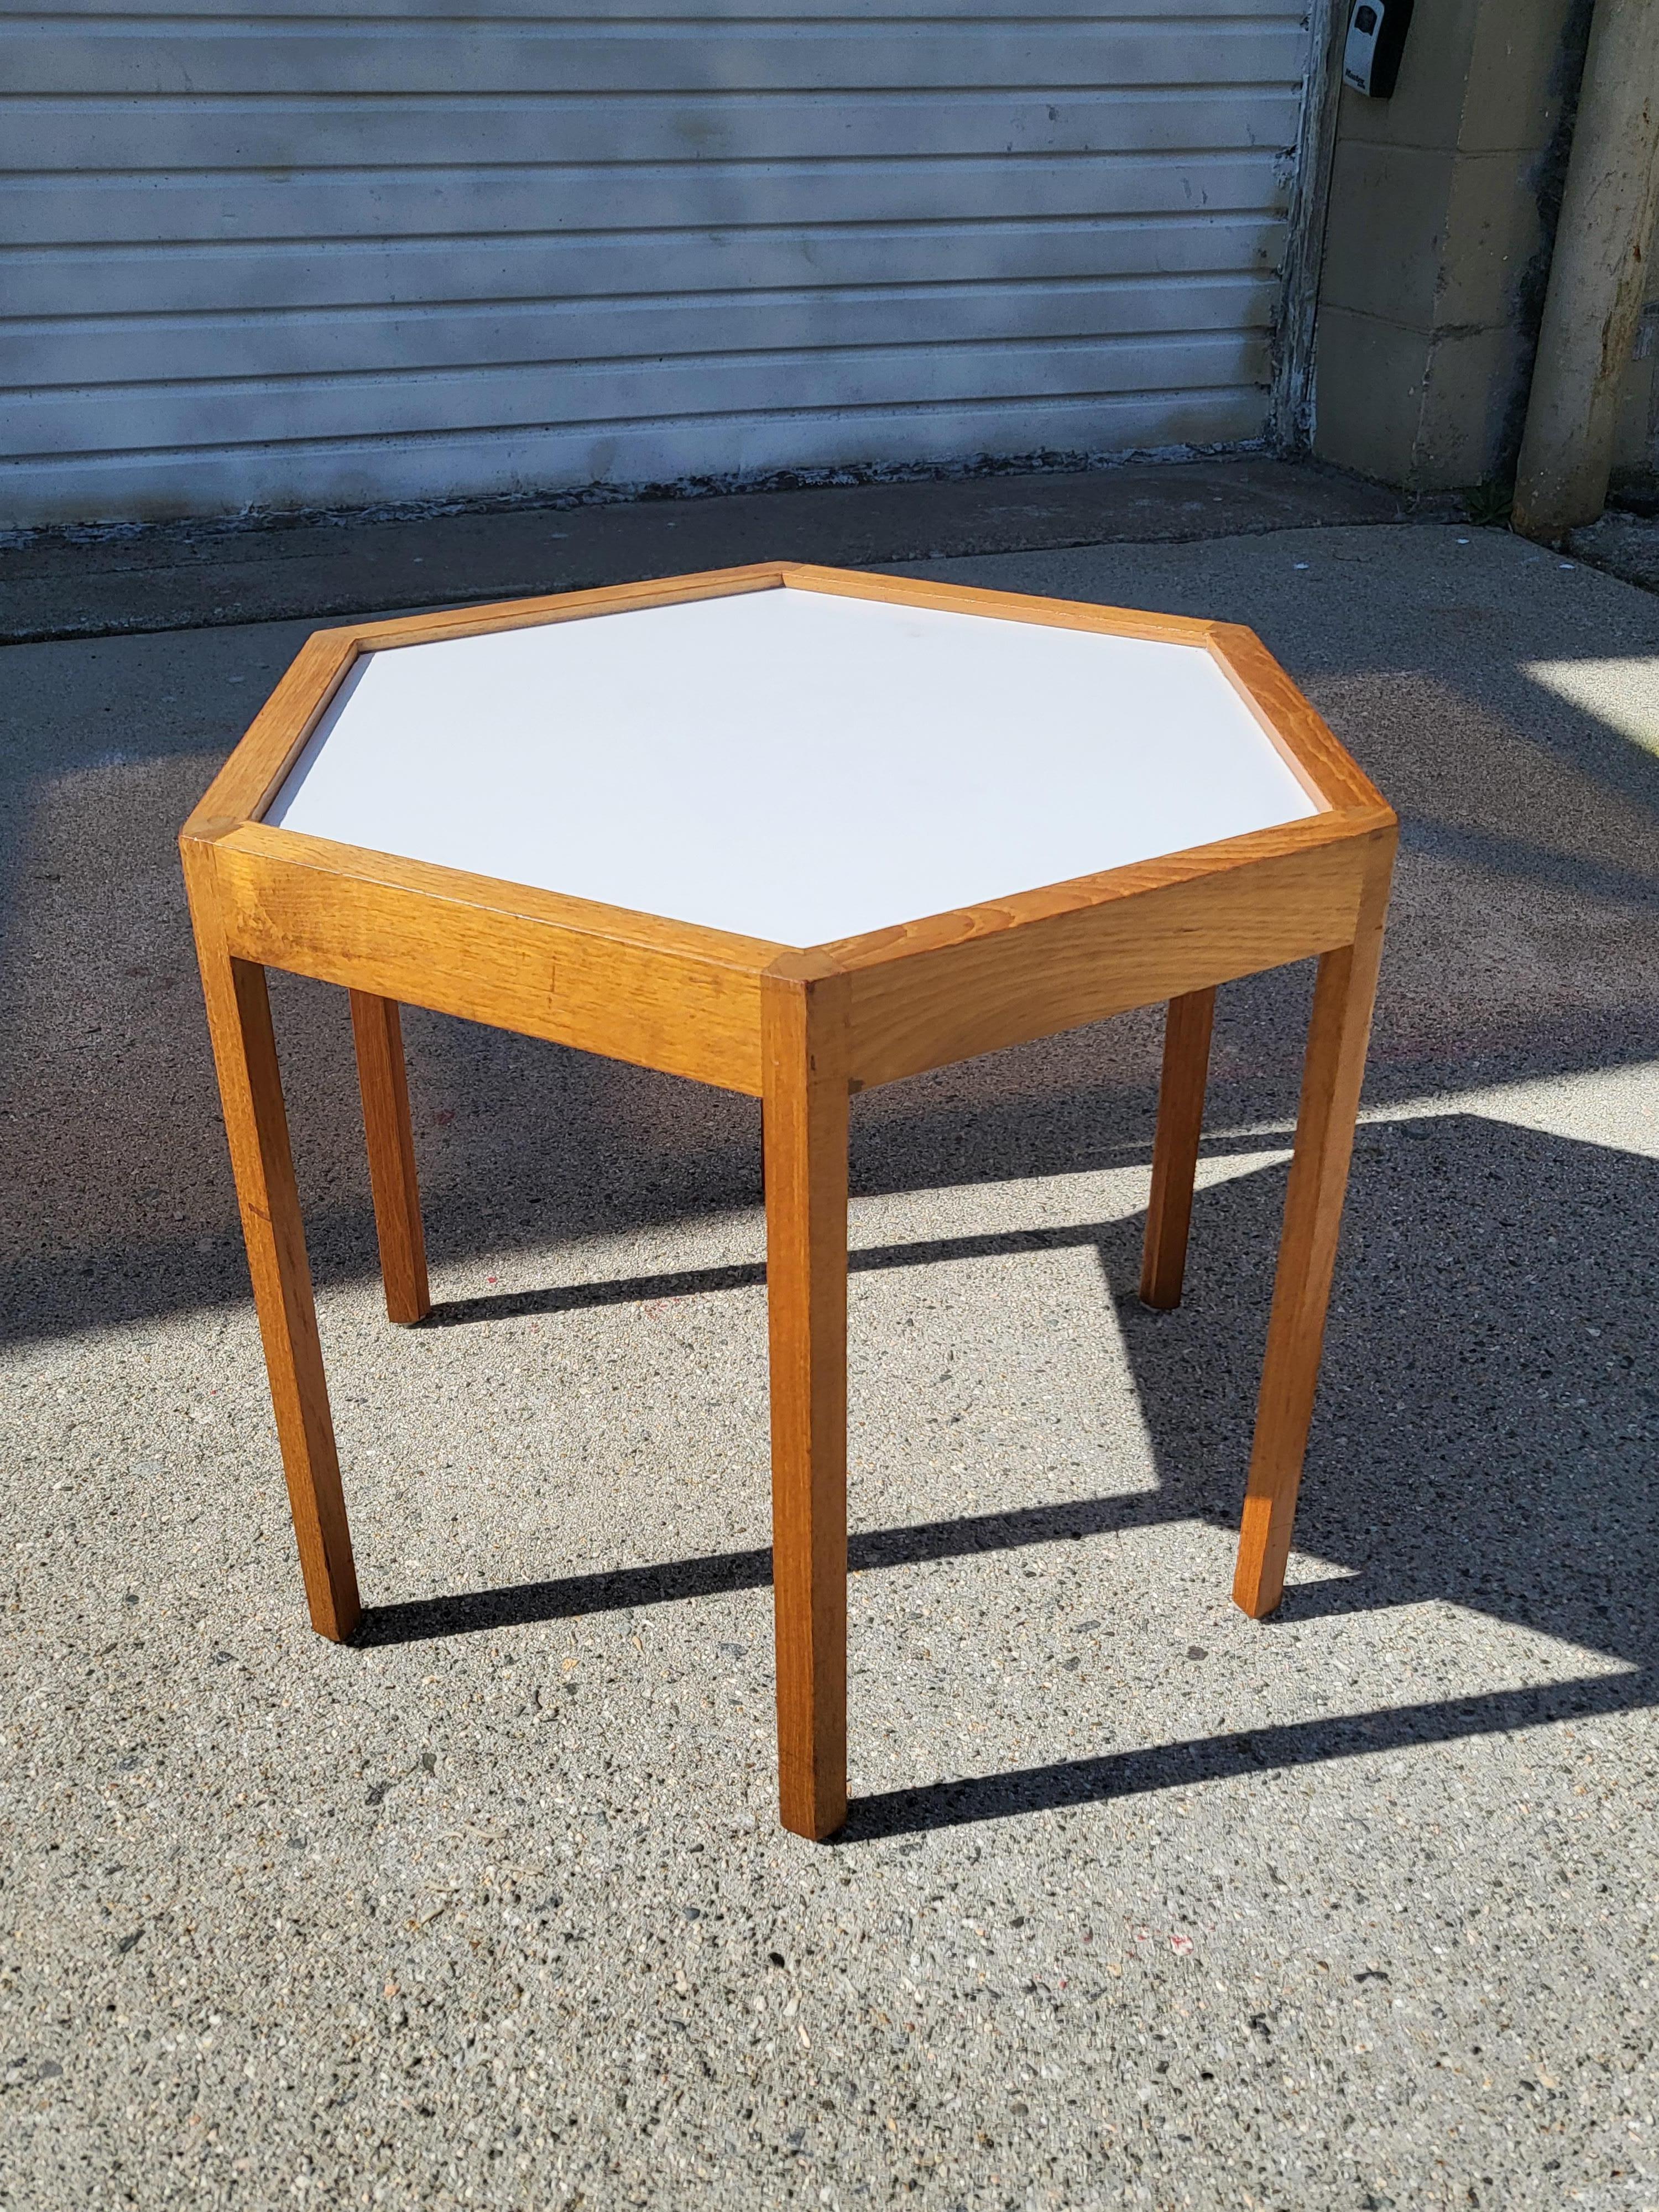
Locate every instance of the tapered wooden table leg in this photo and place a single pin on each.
(256, 1124)
(1175, 1150)
(804, 1044)
(1332, 1073)
(377, 1027)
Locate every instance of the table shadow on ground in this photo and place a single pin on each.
(1485, 1425)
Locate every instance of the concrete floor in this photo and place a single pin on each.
(1141, 1903)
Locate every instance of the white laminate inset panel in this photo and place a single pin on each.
(787, 764)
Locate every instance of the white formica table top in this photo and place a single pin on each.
(789, 764)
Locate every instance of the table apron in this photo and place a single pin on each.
(639, 1003)
(926, 1010)
(700, 1018)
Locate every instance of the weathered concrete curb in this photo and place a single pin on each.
(59, 584)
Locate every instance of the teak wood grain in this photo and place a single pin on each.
(1156, 930)
(999, 606)
(1334, 1068)
(253, 775)
(1175, 1149)
(802, 1028)
(1321, 764)
(256, 1128)
(661, 995)
(567, 606)
(804, 1010)
(383, 1078)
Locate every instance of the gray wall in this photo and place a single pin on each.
(300, 258)
(1436, 246)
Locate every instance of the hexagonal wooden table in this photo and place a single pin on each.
(794, 832)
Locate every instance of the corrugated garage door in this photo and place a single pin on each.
(306, 258)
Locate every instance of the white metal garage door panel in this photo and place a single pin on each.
(292, 259)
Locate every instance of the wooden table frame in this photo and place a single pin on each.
(803, 1030)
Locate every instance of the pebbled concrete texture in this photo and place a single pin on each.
(1140, 1903)
(1624, 544)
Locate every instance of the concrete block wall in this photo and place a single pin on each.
(1437, 247)
(1635, 455)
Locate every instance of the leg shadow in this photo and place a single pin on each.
(1484, 1435)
